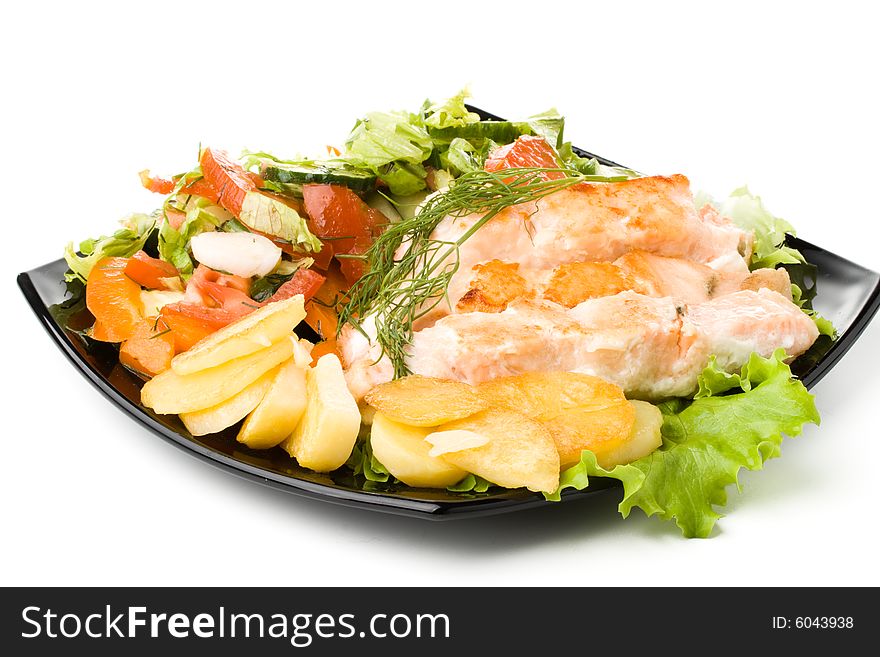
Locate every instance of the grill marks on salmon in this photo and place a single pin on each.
(496, 284)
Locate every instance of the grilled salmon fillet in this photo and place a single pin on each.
(625, 281)
(651, 347)
(597, 222)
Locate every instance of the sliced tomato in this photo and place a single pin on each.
(339, 215)
(526, 151)
(152, 273)
(228, 177)
(150, 348)
(305, 282)
(114, 299)
(353, 268)
(344, 223)
(155, 183)
(203, 188)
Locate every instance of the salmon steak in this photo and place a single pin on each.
(628, 281)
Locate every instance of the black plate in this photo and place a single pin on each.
(849, 296)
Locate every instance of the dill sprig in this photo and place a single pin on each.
(408, 271)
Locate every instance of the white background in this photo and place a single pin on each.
(782, 97)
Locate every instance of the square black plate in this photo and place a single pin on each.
(849, 296)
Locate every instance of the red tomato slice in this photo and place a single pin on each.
(152, 273)
(156, 184)
(344, 223)
(305, 282)
(228, 177)
(526, 151)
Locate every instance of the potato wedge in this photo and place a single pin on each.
(228, 412)
(403, 451)
(171, 392)
(250, 334)
(422, 401)
(280, 410)
(325, 436)
(520, 451)
(643, 439)
(580, 411)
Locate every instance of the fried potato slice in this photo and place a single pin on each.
(230, 411)
(519, 452)
(253, 332)
(422, 401)
(643, 439)
(403, 451)
(279, 411)
(325, 436)
(170, 392)
(580, 411)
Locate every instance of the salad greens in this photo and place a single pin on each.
(737, 421)
(124, 243)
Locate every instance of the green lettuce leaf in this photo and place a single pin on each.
(470, 484)
(270, 216)
(385, 137)
(748, 212)
(450, 113)
(461, 157)
(174, 243)
(549, 125)
(363, 462)
(707, 442)
(403, 178)
(124, 243)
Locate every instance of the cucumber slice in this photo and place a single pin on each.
(501, 132)
(292, 177)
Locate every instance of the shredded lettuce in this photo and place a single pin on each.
(124, 243)
(549, 125)
(270, 216)
(385, 137)
(174, 243)
(450, 113)
(706, 443)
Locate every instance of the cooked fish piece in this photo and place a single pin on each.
(497, 284)
(651, 347)
(597, 222)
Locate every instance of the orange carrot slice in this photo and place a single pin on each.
(150, 349)
(114, 299)
(152, 273)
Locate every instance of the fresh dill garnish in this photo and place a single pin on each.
(408, 272)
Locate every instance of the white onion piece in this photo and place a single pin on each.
(241, 254)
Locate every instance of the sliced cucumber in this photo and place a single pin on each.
(291, 178)
(501, 132)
